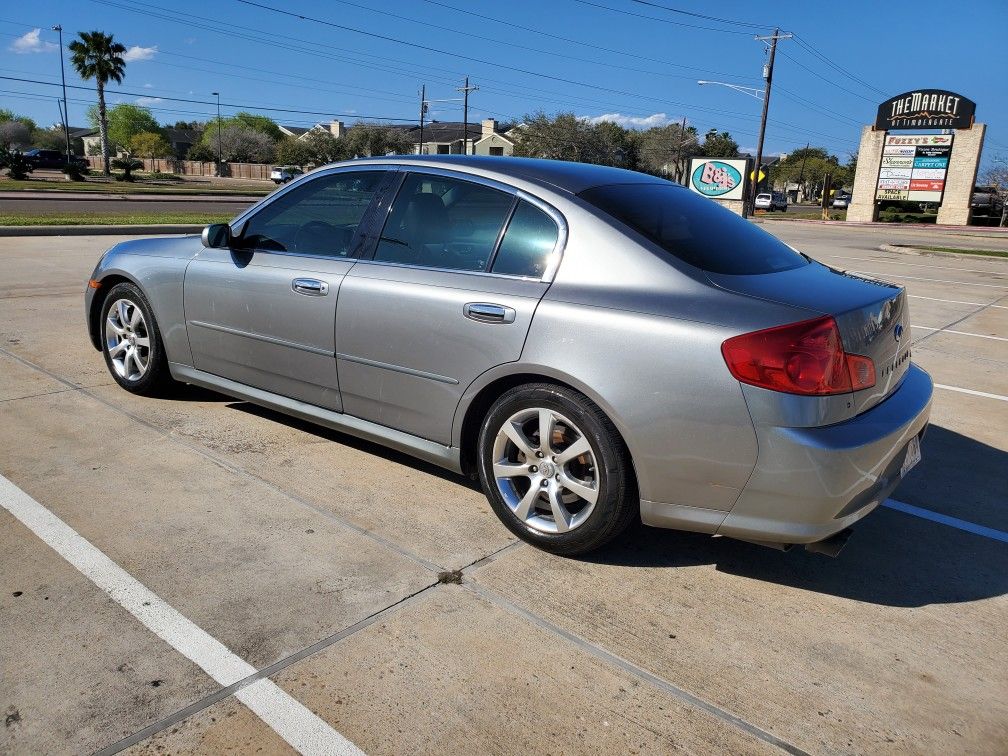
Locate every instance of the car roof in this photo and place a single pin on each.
(558, 174)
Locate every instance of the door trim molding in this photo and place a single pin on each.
(447, 457)
(261, 337)
(397, 368)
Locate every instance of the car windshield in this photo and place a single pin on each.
(696, 230)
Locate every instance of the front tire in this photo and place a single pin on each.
(131, 342)
(555, 470)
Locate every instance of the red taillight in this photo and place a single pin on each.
(799, 358)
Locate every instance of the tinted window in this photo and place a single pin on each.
(443, 223)
(319, 217)
(530, 238)
(695, 229)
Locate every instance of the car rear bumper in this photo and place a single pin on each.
(810, 483)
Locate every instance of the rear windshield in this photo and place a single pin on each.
(696, 230)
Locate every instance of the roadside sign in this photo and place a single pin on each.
(762, 175)
(718, 179)
(913, 167)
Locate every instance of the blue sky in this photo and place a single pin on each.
(633, 62)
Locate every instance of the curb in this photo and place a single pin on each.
(901, 249)
(100, 230)
(53, 196)
(994, 230)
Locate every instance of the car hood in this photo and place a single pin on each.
(179, 247)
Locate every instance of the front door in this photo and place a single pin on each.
(450, 291)
(263, 313)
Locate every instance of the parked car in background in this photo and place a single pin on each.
(772, 201)
(284, 173)
(594, 345)
(841, 200)
(52, 159)
(987, 202)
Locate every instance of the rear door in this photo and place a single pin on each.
(264, 312)
(453, 281)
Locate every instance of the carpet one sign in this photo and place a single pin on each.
(913, 167)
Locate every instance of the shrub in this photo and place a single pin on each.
(16, 163)
(127, 165)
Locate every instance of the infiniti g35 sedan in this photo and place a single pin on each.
(594, 345)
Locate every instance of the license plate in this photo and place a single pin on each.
(913, 456)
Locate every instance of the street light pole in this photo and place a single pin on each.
(768, 77)
(66, 113)
(220, 160)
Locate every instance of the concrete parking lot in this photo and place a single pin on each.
(202, 575)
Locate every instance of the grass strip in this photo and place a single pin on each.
(118, 187)
(113, 219)
(957, 250)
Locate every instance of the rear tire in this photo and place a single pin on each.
(131, 342)
(570, 495)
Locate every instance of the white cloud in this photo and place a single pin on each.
(147, 100)
(633, 122)
(148, 85)
(136, 53)
(29, 42)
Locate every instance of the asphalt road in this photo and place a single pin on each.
(311, 577)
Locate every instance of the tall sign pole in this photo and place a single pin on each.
(768, 76)
(465, 90)
(66, 113)
(423, 111)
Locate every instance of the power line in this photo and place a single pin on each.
(839, 68)
(828, 81)
(662, 20)
(580, 42)
(703, 16)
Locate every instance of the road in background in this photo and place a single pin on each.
(383, 595)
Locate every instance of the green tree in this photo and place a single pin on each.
(294, 151)
(149, 144)
(718, 144)
(126, 121)
(98, 56)
(568, 137)
(14, 134)
(371, 139)
(658, 149)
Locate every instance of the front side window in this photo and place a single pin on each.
(319, 217)
(694, 229)
(440, 222)
(527, 244)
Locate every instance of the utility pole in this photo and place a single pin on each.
(465, 114)
(768, 77)
(678, 150)
(801, 175)
(423, 112)
(66, 113)
(220, 161)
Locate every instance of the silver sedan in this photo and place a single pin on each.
(595, 345)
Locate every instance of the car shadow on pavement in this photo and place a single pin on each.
(892, 558)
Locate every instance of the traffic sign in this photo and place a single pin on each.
(762, 175)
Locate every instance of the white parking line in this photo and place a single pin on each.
(919, 278)
(960, 333)
(959, 301)
(954, 522)
(992, 269)
(292, 721)
(971, 392)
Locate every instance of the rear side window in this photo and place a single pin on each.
(694, 229)
(527, 244)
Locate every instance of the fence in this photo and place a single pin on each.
(195, 168)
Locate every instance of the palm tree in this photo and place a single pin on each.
(98, 56)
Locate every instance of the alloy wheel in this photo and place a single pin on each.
(546, 470)
(127, 340)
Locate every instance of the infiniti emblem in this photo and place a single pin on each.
(898, 332)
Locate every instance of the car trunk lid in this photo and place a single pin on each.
(872, 316)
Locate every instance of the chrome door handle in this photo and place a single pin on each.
(310, 286)
(486, 312)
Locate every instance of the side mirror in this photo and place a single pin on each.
(217, 236)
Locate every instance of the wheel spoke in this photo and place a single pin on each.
(517, 437)
(118, 329)
(510, 470)
(126, 363)
(561, 516)
(118, 349)
(135, 317)
(123, 312)
(573, 451)
(141, 366)
(143, 341)
(525, 505)
(578, 488)
(546, 431)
